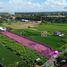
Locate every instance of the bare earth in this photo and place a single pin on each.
(22, 25)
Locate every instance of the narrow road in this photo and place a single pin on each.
(42, 49)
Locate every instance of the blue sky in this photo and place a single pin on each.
(32, 5)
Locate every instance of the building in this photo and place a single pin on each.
(3, 29)
(58, 33)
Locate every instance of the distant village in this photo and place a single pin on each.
(36, 16)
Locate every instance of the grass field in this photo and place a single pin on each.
(52, 41)
(53, 27)
(13, 51)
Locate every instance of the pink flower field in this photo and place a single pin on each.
(40, 48)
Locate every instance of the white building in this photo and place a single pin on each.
(24, 20)
(2, 29)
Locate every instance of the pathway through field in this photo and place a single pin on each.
(44, 50)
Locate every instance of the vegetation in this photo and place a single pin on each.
(52, 41)
(17, 54)
(25, 56)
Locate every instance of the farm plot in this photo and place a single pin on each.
(7, 57)
(51, 41)
(27, 55)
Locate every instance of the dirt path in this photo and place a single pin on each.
(30, 44)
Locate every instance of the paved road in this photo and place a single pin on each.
(44, 50)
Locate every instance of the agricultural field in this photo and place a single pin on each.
(23, 56)
(52, 41)
(7, 57)
(13, 54)
(20, 25)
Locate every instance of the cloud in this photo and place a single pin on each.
(24, 5)
(33, 6)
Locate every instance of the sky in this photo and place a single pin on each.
(33, 5)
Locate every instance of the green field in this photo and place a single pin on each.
(53, 27)
(7, 58)
(16, 55)
(13, 54)
(52, 41)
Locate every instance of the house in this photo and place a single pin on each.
(24, 20)
(2, 29)
(58, 33)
